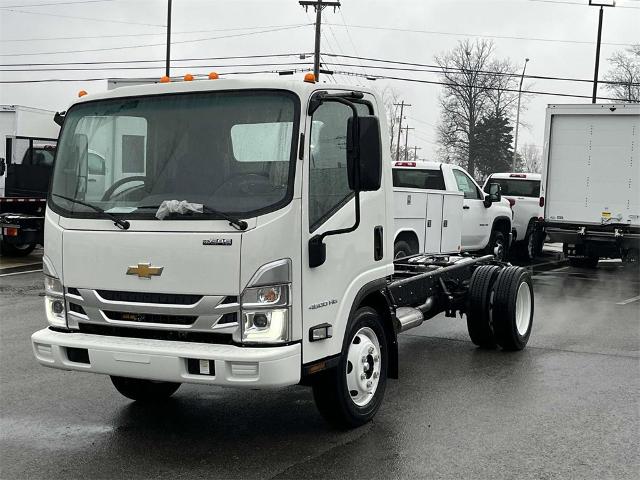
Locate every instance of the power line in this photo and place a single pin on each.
(454, 70)
(155, 44)
(53, 3)
(82, 18)
(531, 92)
(504, 37)
(154, 67)
(194, 59)
(580, 4)
(124, 35)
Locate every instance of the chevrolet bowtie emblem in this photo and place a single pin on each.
(145, 270)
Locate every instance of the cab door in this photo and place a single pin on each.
(352, 259)
(475, 216)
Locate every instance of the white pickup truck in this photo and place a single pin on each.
(247, 241)
(522, 190)
(483, 226)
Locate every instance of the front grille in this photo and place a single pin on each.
(228, 318)
(151, 318)
(147, 297)
(176, 336)
(74, 307)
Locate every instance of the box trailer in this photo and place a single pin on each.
(590, 189)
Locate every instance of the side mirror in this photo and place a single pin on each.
(494, 194)
(364, 153)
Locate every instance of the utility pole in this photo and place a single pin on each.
(406, 142)
(319, 5)
(515, 143)
(415, 152)
(401, 105)
(167, 70)
(610, 3)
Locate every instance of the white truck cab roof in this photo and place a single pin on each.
(517, 176)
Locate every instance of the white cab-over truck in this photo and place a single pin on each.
(439, 208)
(277, 269)
(591, 181)
(522, 191)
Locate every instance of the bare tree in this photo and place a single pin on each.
(530, 158)
(466, 98)
(389, 98)
(625, 72)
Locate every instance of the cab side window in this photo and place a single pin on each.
(328, 181)
(466, 185)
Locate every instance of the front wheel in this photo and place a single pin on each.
(147, 391)
(350, 394)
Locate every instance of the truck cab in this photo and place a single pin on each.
(243, 237)
(485, 221)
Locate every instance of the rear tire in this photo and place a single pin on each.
(401, 249)
(11, 250)
(512, 312)
(528, 248)
(479, 324)
(146, 391)
(343, 394)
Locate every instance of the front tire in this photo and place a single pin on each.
(512, 311)
(350, 394)
(146, 391)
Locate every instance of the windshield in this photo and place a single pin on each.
(232, 151)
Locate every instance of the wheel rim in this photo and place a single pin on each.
(531, 246)
(363, 366)
(523, 308)
(498, 249)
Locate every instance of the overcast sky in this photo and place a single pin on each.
(557, 35)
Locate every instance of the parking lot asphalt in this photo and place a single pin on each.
(565, 407)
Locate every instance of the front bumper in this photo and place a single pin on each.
(167, 360)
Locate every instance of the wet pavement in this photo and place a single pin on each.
(566, 407)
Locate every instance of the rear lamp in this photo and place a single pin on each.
(512, 202)
(10, 232)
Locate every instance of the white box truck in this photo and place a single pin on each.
(591, 181)
(27, 148)
(273, 262)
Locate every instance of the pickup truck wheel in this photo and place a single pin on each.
(401, 249)
(479, 323)
(147, 391)
(512, 311)
(350, 394)
(498, 245)
(21, 250)
(529, 246)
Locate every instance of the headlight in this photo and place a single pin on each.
(265, 314)
(54, 303)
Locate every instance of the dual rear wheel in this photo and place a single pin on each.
(500, 310)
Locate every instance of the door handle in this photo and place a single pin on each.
(445, 223)
(466, 207)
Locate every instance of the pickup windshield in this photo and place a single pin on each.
(233, 151)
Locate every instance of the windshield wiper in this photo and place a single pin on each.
(118, 222)
(233, 221)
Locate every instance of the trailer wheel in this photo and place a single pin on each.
(146, 391)
(512, 312)
(350, 394)
(479, 309)
(21, 250)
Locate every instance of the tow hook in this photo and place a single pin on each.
(617, 233)
(582, 231)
